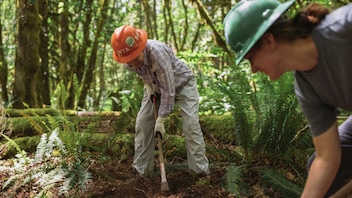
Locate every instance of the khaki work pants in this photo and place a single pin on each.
(188, 101)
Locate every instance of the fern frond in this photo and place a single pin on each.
(234, 181)
(11, 181)
(242, 124)
(13, 143)
(279, 183)
(41, 148)
(54, 142)
(35, 122)
(54, 122)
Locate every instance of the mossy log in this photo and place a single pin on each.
(121, 145)
(113, 134)
(221, 127)
(98, 121)
(54, 112)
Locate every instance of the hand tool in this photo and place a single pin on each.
(164, 183)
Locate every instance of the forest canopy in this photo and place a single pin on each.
(45, 43)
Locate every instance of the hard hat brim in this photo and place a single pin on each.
(277, 13)
(129, 58)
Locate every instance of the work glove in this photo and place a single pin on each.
(159, 127)
(150, 92)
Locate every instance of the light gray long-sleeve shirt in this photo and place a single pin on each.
(164, 72)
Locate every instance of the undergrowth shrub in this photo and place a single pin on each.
(58, 166)
(274, 180)
(268, 121)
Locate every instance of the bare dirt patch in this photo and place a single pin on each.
(114, 179)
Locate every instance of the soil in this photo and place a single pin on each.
(115, 178)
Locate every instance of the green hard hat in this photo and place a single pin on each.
(248, 20)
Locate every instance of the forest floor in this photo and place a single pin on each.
(113, 177)
(116, 179)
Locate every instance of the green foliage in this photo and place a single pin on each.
(131, 100)
(122, 146)
(13, 143)
(220, 126)
(268, 124)
(272, 179)
(267, 114)
(175, 146)
(238, 94)
(280, 123)
(234, 180)
(51, 167)
(35, 121)
(57, 162)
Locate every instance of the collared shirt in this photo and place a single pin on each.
(164, 72)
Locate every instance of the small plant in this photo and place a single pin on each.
(234, 180)
(267, 120)
(50, 168)
(58, 166)
(279, 183)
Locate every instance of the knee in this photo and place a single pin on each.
(144, 122)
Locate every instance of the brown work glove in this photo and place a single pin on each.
(159, 128)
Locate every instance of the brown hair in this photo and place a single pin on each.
(301, 25)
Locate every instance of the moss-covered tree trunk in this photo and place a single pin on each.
(27, 57)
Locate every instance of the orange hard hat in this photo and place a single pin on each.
(128, 42)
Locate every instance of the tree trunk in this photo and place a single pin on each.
(27, 58)
(65, 69)
(101, 82)
(148, 22)
(166, 25)
(185, 27)
(43, 76)
(64, 45)
(88, 75)
(220, 41)
(82, 54)
(169, 11)
(3, 70)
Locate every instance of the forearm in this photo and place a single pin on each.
(345, 191)
(320, 177)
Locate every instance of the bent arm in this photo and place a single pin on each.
(325, 165)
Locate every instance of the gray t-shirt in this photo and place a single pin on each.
(329, 86)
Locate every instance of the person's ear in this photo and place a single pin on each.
(268, 41)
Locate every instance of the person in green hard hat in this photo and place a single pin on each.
(316, 45)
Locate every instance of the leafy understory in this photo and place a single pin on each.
(51, 168)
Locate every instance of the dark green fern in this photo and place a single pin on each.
(279, 183)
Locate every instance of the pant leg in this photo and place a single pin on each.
(345, 170)
(188, 101)
(345, 133)
(144, 141)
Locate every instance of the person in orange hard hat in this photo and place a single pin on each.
(316, 45)
(173, 82)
